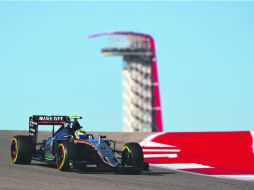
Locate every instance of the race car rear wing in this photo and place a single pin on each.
(36, 120)
(50, 120)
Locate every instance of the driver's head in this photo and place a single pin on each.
(80, 134)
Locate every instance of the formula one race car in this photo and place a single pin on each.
(72, 148)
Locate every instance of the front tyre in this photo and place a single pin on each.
(132, 155)
(21, 149)
(64, 154)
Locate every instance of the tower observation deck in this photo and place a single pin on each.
(142, 107)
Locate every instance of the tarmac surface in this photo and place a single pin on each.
(41, 176)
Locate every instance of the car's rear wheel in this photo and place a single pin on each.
(132, 155)
(65, 153)
(21, 149)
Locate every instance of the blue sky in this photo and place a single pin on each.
(204, 52)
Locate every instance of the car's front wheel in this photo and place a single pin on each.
(64, 154)
(132, 155)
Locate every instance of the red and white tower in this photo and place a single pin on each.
(142, 107)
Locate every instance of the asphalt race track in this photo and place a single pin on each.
(41, 176)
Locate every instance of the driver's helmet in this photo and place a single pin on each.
(80, 134)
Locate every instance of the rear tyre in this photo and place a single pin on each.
(65, 153)
(132, 155)
(21, 149)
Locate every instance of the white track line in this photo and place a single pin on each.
(161, 150)
(237, 177)
(160, 156)
(180, 167)
(148, 139)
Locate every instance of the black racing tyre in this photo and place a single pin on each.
(132, 155)
(65, 152)
(21, 149)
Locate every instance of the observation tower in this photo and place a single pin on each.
(142, 106)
